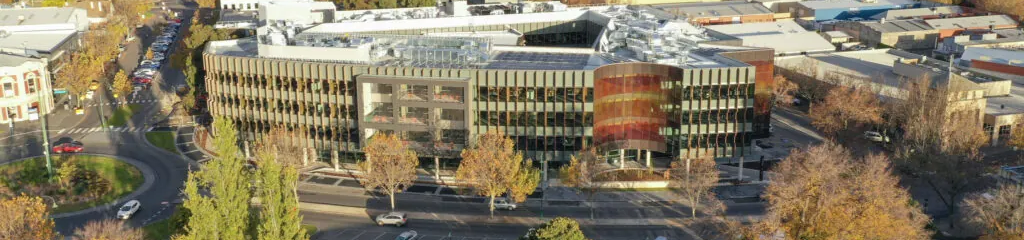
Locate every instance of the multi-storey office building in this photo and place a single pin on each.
(611, 77)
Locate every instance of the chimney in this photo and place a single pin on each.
(882, 21)
(21, 18)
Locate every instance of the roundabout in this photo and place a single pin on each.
(81, 183)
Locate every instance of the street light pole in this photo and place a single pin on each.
(46, 144)
(100, 108)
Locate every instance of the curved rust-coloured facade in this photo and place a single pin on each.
(627, 105)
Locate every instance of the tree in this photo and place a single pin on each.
(122, 85)
(524, 182)
(25, 217)
(583, 174)
(389, 165)
(559, 228)
(783, 90)
(490, 165)
(825, 193)
(1012, 7)
(999, 212)
(1017, 137)
(844, 107)
(694, 180)
(277, 176)
(207, 3)
(222, 212)
(149, 54)
(107, 230)
(66, 173)
(54, 3)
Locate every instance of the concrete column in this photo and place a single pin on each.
(649, 159)
(334, 160)
(639, 155)
(246, 147)
(437, 169)
(622, 158)
(741, 169)
(305, 157)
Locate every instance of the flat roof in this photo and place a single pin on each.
(837, 34)
(911, 25)
(829, 4)
(785, 36)
(714, 9)
(971, 22)
(1012, 57)
(8, 60)
(1012, 104)
(35, 16)
(873, 68)
(232, 15)
(895, 14)
(39, 41)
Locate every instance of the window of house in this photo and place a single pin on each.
(30, 80)
(8, 89)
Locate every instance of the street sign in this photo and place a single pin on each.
(60, 91)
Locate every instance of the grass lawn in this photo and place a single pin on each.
(163, 140)
(122, 115)
(310, 229)
(159, 230)
(123, 177)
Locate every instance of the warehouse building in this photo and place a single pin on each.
(635, 86)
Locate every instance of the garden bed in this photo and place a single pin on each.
(95, 180)
(632, 175)
(164, 140)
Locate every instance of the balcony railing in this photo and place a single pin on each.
(414, 96)
(441, 97)
(379, 119)
(413, 120)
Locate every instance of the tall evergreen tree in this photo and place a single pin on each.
(279, 217)
(223, 213)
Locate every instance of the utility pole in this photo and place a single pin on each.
(100, 108)
(46, 144)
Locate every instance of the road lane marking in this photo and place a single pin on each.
(61, 130)
(95, 129)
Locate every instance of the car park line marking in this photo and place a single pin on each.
(343, 232)
(354, 237)
(381, 235)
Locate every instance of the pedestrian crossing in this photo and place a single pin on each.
(100, 129)
(146, 101)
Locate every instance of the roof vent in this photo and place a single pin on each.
(21, 18)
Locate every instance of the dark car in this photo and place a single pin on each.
(763, 144)
(71, 147)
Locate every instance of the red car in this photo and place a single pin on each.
(142, 79)
(71, 147)
(177, 20)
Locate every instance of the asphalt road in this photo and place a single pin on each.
(344, 227)
(453, 207)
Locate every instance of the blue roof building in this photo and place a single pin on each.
(824, 10)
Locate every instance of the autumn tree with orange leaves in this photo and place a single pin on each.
(844, 107)
(826, 193)
(390, 165)
(25, 217)
(493, 167)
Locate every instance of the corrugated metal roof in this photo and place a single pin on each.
(971, 22)
(898, 26)
(917, 12)
(995, 55)
(716, 9)
(833, 4)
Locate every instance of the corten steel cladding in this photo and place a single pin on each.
(627, 105)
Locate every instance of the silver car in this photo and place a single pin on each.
(392, 218)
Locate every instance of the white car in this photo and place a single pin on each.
(392, 218)
(145, 72)
(875, 137)
(407, 235)
(128, 209)
(157, 57)
(504, 204)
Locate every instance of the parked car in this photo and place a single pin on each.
(763, 144)
(144, 72)
(68, 147)
(504, 204)
(128, 209)
(875, 137)
(139, 86)
(392, 218)
(407, 235)
(158, 57)
(149, 64)
(142, 80)
(176, 20)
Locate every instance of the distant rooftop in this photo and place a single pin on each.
(785, 36)
(8, 60)
(911, 25)
(1012, 57)
(872, 68)
(714, 9)
(832, 4)
(35, 16)
(1012, 104)
(896, 14)
(971, 22)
